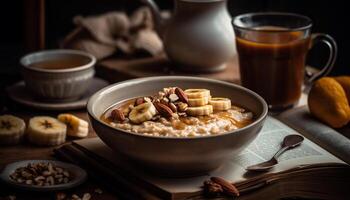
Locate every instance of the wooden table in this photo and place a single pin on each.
(113, 70)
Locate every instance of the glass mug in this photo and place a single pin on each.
(272, 49)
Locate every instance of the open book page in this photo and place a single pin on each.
(262, 149)
(323, 135)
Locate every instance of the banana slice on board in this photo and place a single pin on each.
(200, 110)
(11, 129)
(198, 101)
(142, 112)
(76, 127)
(197, 93)
(43, 130)
(220, 103)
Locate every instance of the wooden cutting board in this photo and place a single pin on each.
(119, 69)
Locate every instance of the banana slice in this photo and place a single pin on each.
(199, 111)
(76, 127)
(11, 129)
(220, 103)
(43, 130)
(198, 101)
(197, 93)
(142, 113)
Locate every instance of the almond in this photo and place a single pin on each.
(173, 107)
(139, 101)
(229, 188)
(163, 109)
(117, 115)
(181, 94)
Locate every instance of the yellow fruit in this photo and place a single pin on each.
(327, 101)
(344, 81)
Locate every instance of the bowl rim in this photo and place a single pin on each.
(126, 83)
(91, 63)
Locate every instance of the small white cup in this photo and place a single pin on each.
(64, 84)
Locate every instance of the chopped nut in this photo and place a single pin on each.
(169, 90)
(58, 176)
(173, 107)
(182, 114)
(161, 94)
(59, 180)
(65, 180)
(60, 196)
(75, 197)
(86, 196)
(50, 180)
(164, 101)
(29, 182)
(139, 101)
(173, 97)
(59, 170)
(50, 168)
(39, 178)
(46, 173)
(20, 180)
(66, 174)
(98, 191)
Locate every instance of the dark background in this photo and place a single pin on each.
(329, 16)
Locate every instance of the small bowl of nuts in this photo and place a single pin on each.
(43, 175)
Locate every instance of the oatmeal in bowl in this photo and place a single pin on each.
(176, 125)
(174, 112)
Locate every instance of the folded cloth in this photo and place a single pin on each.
(106, 34)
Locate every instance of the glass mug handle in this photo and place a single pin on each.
(333, 49)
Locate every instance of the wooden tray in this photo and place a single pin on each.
(119, 69)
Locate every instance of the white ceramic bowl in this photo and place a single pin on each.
(176, 156)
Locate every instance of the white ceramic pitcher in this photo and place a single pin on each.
(199, 35)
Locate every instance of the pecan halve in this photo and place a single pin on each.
(228, 187)
(181, 94)
(211, 188)
(117, 115)
(163, 109)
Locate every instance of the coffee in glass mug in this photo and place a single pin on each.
(272, 50)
